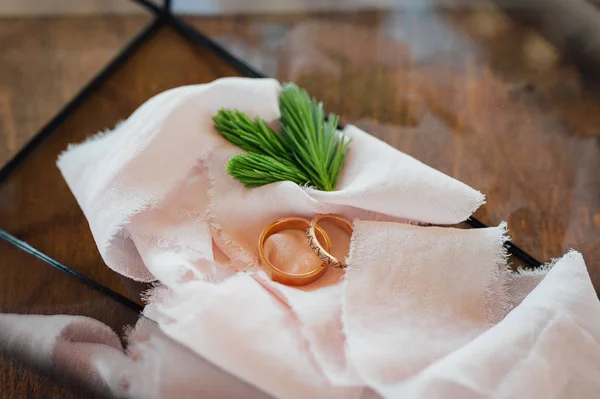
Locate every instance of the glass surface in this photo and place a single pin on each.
(468, 90)
(65, 367)
(47, 60)
(35, 203)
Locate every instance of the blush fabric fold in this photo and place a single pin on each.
(82, 351)
(414, 297)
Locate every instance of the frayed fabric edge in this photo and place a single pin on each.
(89, 140)
(498, 303)
(479, 201)
(243, 257)
(543, 269)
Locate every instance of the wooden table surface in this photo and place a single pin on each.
(44, 63)
(469, 92)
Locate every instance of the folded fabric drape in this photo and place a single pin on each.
(420, 311)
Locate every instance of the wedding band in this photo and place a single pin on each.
(291, 223)
(315, 244)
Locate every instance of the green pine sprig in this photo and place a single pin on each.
(314, 141)
(309, 151)
(255, 170)
(252, 135)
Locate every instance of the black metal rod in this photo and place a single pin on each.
(510, 247)
(200, 39)
(80, 98)
(23, 246)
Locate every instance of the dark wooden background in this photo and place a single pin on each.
(468, 91)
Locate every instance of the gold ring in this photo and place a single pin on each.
(295, 279)
(315, 244)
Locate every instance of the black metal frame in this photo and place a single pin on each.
(163, 15)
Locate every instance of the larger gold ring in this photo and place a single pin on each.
(295, 279)
(315, 244)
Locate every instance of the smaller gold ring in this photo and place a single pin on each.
(295, 279)
(315, 244)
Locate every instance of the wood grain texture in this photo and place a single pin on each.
(35, 203)
(18, 380)
(44, 62)
(572, 26)
(467, 91)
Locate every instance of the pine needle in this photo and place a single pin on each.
(308, 152)
(255, 170)
(253, 136)
(314, 142)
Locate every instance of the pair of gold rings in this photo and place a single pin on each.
(318, 240)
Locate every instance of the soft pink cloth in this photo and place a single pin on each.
(161, 207)
(64, 345)
(87, 352)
